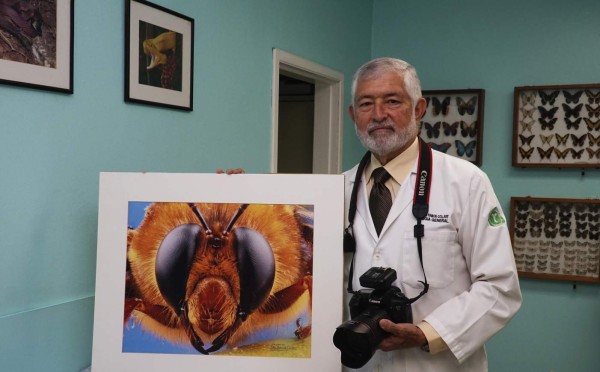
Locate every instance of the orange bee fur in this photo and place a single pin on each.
(212, 289)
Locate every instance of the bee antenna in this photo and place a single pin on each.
(237, 215)
(201, 218)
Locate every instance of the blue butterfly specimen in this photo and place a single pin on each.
(528, 98)
(549, 98)
(547, 124)
(572, 111)
(467, 107)
(450, 129)
(442, 147)
(468, 130)
(547, 114)
(572, 124)
(465, 149)
(593, 111)
(592, 97)
(432, 131)
(572, 97)
(440, 107)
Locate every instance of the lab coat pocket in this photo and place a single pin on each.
(439, 252)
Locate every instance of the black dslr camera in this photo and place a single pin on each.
(359, 337)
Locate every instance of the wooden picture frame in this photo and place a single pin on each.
(556, 238)
(220, 260)
(556, 126)
(159, 56)
(37, 52)
(453, 122)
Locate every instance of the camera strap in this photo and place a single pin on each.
(419, 209)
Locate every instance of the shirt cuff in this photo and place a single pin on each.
(436, 343)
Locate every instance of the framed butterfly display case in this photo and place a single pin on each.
(557, 126)
(453, 122)
(556, 238)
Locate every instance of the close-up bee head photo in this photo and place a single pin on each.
(218, 278)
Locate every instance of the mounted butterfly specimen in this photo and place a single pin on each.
(442, 147)
(572, 97)
(450, 129)
(547, 124)
(593, 111)
(465, 149)
(528, 98)
(548, 98)
(572, 124)
(591, 124)
(468, 130)
(466, 107)
(440, 106)
(432, 130)
(593, 98)
(572, 111)
(547, 113)
(526, 140)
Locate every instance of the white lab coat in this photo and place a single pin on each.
(474, 289)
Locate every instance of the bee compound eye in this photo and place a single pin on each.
(256, 267)
(173, 260)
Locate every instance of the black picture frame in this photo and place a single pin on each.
(556, 238)
(159, 56)
(38, 52)
(453, 122)
(556, 126)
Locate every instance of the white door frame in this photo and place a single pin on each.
(329, 90)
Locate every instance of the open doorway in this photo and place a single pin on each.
(324, 87)
(296, 125)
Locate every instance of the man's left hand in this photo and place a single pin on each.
(402, 336)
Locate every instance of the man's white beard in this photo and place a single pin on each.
(390, 141)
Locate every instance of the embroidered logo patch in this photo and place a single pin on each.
(495, 218)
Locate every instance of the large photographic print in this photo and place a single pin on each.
(218, 271)
(218, 278)
(159, 54)
(36, 44)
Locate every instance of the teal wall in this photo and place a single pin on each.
(53, 146)
(497, 45)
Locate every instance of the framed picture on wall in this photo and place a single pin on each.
(215, 271)
(557, 126)
(453, 122)
(556, 238)
(159, 56)
(36, 44)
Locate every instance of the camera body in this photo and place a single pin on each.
(359, 337)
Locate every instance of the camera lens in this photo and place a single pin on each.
(359, 337)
